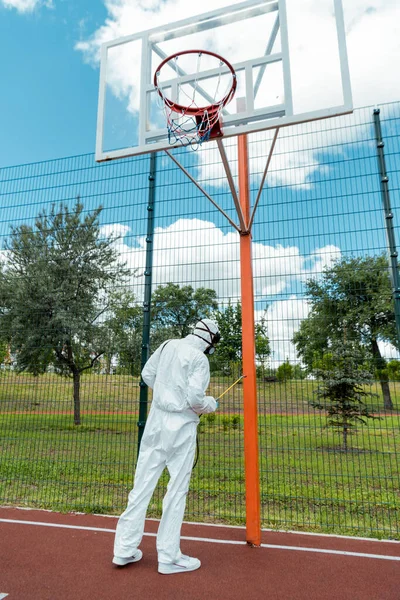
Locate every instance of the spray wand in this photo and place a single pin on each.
(230, 387)
(217, 399)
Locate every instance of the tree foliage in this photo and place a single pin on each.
(175, 309)
(228, 357)
(341, 391)
(229, 352)
(58, 292)
(393, 370)
(285, 371)
(125, 325)
(263, 348)
(351, 302)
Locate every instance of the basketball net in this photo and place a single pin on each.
(190, 123)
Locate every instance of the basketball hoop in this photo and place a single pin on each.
(191, 122)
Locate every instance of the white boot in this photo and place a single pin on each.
(183, 565)
(121, 561)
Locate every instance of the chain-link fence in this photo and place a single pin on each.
(326, 338)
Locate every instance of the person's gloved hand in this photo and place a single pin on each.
(217, 403)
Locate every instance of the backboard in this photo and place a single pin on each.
(290, 61)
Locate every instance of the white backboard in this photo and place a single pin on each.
(289, 56)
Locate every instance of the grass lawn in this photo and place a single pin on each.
(307, 481)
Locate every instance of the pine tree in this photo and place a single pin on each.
(342, 392)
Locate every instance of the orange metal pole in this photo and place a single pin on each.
(252, 476)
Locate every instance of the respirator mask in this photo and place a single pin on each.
(214, 337)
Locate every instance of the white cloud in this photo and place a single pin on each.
(319, 260)
(3, 257)
(294, 161)
(373, 40)
(195, 252)
(25, 6)
(371, 64)
(283, 320)
(388, 351)
(116, 231)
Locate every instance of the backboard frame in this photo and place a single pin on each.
(250, 120)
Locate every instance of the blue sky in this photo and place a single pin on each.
(48, 102)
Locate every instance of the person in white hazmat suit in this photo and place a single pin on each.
(179, 374)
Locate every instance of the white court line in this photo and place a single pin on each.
(340, 552)
(212, 541)
(2, 595)
(224, 526)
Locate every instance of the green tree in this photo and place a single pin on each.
(393, 370)
(285, 371)
(175, 309)
(228, 357)
(352, 301)
(229, 354)
(5, 349)
(298, 372)
(4, 354)
(342, 390)
(58, 293)
(263, 348)
(124, 327)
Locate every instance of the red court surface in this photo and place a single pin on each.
(52, 556)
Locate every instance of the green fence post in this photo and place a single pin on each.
(144, 390)
(394, 269)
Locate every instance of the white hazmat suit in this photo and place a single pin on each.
(179, 374)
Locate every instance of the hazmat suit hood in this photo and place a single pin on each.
(205, 334)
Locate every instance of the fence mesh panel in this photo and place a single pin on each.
(321, 207)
